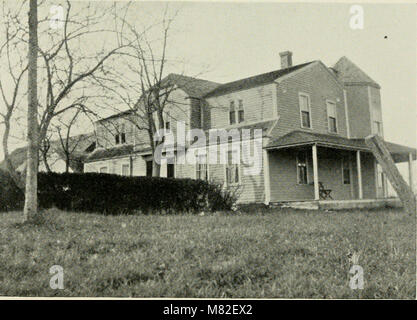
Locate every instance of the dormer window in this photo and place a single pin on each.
(123, 134)
(120, 137)
(232, 113)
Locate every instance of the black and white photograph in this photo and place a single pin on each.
(207, 150)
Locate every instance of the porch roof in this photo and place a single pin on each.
(303, 138)
(119, 151)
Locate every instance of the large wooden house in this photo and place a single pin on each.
(313, 119)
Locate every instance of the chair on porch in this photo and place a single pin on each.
(324, 193)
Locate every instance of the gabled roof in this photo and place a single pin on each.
(105, 153)
(265, 126)
(300, 138)
(349, 73)
(114, 152)
(254, 81)
(303, 137)
(117, 115)
(194, 87)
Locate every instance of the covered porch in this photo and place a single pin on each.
(304, 166)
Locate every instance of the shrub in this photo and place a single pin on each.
(221, 198)
(114, 194)
(11, 197)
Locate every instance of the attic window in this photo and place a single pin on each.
(120, 136)
(123, 134)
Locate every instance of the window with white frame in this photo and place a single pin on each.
(123, 133)
(346, 170)
(103, 170)
(302, 168)
(120, 137)
(167, 121)
(240, 112)
(201, 167)
(125, 169)
(201, 116)
(378, 127)
(332, 116)
(304, 102)
(377, 120)
(232, 113)
(232, 167)
(236, 114)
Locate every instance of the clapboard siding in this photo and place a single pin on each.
(257, 104)
(251, 187)
(359, 115)
(283, 173)
(320, 85)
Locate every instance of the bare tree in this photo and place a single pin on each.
(31, 193)
(11, 80)
(146, 92)
(44, 149)
(68, 63)
(67, 144)
(67, 71)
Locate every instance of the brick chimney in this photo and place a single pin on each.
(286, 59)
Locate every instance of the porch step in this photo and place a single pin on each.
(305, 205)
(360, 204)
(339, 204)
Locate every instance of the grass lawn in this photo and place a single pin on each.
(277, 253)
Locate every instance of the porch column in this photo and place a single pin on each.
(267, 183)
(358, 165)
(411, 171)
(315, 174)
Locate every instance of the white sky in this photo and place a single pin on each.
(227, 41)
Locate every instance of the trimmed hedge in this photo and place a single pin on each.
(114, 194)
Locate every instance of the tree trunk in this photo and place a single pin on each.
(67, 164)
(156, 169)
(31, 194)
